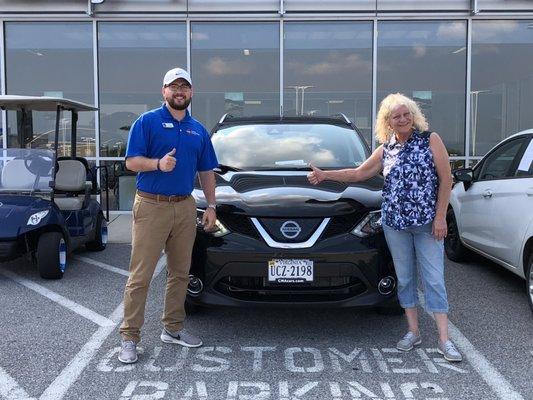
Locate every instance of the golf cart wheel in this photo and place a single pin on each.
(51, 255)
(452, 242)
(100, 240)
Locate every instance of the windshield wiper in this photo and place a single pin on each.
(223, 168)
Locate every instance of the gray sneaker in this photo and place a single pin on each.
(449, 351)
(181, 337)
(128, 352)
(408, 341)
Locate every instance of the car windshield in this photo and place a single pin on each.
(26, 170)
(288, 146)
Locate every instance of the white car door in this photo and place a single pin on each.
(513, 206)
(476, 217)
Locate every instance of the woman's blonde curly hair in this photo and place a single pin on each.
(389, 104)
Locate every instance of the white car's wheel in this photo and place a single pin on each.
(529, 281)
(452, 242)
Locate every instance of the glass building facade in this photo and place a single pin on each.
(467, 63)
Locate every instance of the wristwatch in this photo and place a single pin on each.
(213, 206)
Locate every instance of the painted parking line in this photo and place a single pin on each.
(77, 365)
(62, 301)
(9, 388)
(481, 365)
(102, 265)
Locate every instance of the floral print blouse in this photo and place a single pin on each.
(411, 182)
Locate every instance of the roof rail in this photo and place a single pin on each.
(343, 117)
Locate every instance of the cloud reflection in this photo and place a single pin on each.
(263, 146)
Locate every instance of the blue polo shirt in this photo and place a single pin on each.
(154, 134)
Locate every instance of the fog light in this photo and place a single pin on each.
(386, 285)
(195, 285)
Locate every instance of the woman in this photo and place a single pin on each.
(415, 199)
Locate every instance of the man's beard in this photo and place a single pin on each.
(179, 107)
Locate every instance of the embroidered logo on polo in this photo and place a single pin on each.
(191, 132)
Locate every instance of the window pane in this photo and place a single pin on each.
(133, 58)
(427, 61)
(51, 59)
(328, 70)
(502, 81)
(121, 184)
(525, 166)
(498, 164)
(235, 69)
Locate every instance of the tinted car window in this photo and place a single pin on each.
(498, 164)
(286, 146)
(525, 166)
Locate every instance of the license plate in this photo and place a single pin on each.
(290, 271)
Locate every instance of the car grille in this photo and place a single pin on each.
(341, 224)
(338, 225)
(246, 183)
(274, 226)
(321, 289)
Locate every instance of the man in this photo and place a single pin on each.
(167, 147)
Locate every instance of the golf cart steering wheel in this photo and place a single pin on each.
(39, 164)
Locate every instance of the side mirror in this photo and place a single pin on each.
(464, 175)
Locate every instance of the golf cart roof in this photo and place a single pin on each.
(40, 103)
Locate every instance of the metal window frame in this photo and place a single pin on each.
(3, 83)
(468, 89)
(281, 63)
(96, 85)
(374, 81)
(281, 17)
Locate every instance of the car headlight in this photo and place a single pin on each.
(370, 225)
(36, 218)
(219, 228)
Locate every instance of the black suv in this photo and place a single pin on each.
(280, 240)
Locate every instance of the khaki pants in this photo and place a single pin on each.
(156, 226)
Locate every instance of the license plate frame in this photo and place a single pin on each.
(290, 270)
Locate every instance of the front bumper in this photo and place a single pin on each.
(10, 249)
(347, 270)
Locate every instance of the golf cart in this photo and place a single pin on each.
(47, 207)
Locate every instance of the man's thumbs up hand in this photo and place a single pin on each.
(168, 162)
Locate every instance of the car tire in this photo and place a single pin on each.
(51, 255)
(100, 240)
(455, 250)
(529, 281)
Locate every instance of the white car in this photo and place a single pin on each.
(491, 208)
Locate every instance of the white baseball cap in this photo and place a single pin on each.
(176, 73)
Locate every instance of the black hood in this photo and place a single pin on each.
(283, 194)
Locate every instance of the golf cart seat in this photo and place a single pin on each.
(70, 187)
(16, 176)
